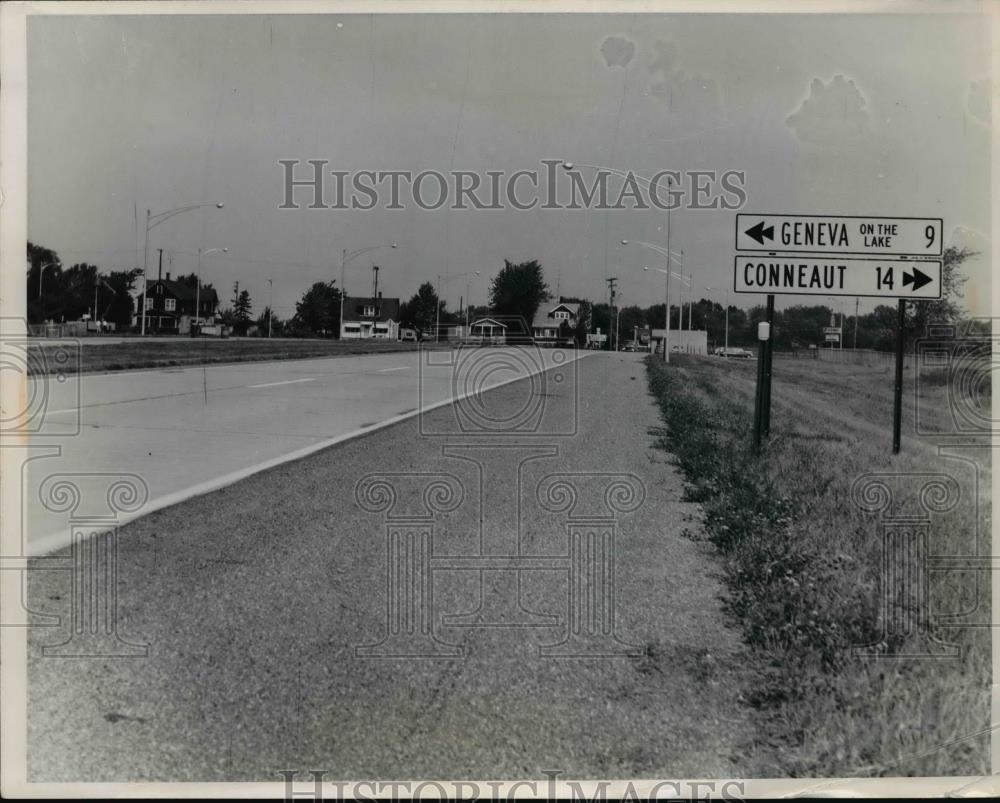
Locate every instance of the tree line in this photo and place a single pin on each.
(517, 291)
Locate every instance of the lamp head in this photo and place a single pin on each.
(624, 242)
(219, 205)
(567, 165)
(393, 245)
(645, 268)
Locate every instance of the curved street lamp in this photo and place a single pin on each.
(197, 295)
(649, 184)
(668, 255)
(466, 275)
(152, 221)
(346, 257)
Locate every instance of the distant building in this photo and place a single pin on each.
(687, 341)
(170, 306)
(368, 318)
(488, 331)
(555, 323)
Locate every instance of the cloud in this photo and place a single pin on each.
(834, 114)
(617, 51)
(691, 98)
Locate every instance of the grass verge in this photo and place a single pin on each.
(802, 567)
(166, 352)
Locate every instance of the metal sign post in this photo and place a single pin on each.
(768, 351)
(836, 255)
(897, 401)
(762, 399)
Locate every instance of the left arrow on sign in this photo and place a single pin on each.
(918, 279)
(758, 232)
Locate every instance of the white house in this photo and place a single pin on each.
(368, 318)
(555, 322)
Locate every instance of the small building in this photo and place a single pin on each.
(555, 323)
(170, 306)
(370, 318)
(487, 332)
(685, 341)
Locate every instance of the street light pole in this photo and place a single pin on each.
(152, 221)
(270, 302)
(630, 176)
(197, 293)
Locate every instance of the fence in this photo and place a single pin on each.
(847, 356)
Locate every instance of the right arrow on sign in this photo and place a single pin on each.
(918, 279)
(758, 232)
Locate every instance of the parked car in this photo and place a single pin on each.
(408, 334)
(735, 351)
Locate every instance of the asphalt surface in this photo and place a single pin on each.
(182, 431)
(254, 601)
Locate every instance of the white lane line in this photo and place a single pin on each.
(400, 368)
(60, 539)
(285, 382)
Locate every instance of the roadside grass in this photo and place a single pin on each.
(802, 567)
(168, 352)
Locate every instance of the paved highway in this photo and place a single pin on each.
(189, 430)
(275, 638)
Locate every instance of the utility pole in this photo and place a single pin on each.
(437, 312)
(159, 273)
(611, 305)
(270, 302)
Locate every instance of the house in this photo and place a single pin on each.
(487, 332)
(170, 306)
(366, 318)
(555, 323)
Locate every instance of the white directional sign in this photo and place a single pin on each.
(837, 276)
(834, 234)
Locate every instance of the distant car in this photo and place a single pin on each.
(631, 347)
(408, 334)
(733, 351)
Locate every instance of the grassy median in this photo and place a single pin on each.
(164, 352)
(802, 565)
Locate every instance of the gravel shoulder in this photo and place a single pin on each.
(254, 598)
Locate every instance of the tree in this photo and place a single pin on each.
(268, 321)
(43, 276)
(191, 280)
(242, 307)
(118, 308)
(519, 290)
(318, 311)
(421, 311)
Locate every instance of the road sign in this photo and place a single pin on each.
(835, 338)
(831, 330)
(840, 276)
(840, 234)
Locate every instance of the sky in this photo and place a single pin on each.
(834, 114)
